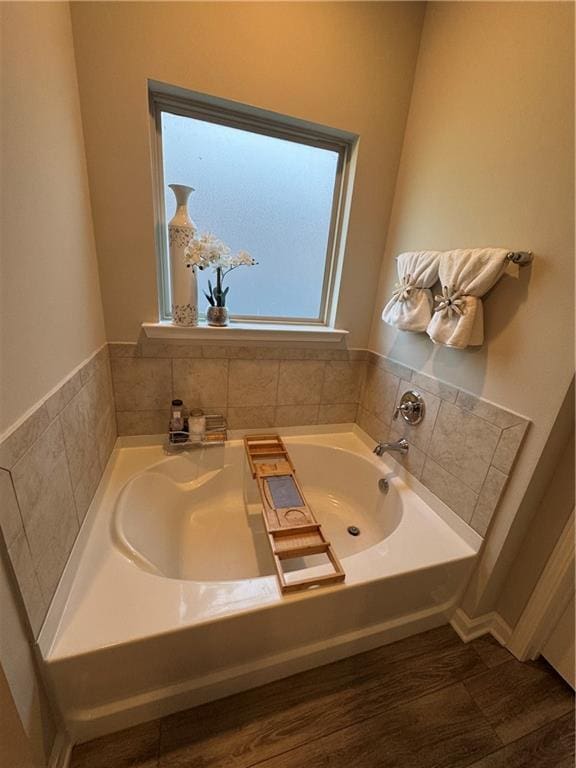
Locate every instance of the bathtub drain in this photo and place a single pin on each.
(353, 530)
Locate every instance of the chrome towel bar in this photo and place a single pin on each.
(522, 258)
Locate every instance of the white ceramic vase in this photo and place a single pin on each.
(181, 231)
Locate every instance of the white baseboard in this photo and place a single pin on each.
(61, 751)
(488, 624)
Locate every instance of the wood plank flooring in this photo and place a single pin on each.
(429, 701)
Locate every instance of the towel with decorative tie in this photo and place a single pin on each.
(465, 276)
(410, 308)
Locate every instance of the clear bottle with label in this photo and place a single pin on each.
(177, 422)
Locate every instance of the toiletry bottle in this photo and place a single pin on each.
(186, 419)
(197, 424)
(176, 422)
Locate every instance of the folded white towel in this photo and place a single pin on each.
(465, 275)
(410, 307)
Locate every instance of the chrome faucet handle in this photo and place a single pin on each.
(406, 408)
(411, 407)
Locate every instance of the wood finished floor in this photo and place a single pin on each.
(429, 701)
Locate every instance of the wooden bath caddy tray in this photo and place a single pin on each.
(292, 529)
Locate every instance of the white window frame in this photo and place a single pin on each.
(179, 101)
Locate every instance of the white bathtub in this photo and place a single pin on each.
(169, 598)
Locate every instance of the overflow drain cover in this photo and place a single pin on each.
(353, 531)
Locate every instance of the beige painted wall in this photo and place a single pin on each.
(488, 159)
(555, 505)
(51, 312)
(50, 298)
(347, 65)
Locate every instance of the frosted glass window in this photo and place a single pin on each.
(269, 196)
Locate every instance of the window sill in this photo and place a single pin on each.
(244, 332)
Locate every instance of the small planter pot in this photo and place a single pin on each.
(217, 316)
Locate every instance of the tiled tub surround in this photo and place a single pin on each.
(464, 449)
(253, 386)
(51, 465)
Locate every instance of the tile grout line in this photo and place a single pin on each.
(322, 388)
(76, 510)
(45, 603)
(278, 364)
(321, 395)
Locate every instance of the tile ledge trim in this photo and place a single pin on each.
(39, 403)
(245, 331)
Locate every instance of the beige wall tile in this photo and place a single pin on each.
(100, 388)
(142, 422)
(142, 384)
(327, 354)
(391, 366)
(34, 469)
(488, 500)
(253, 382)
(99, 359)
(50, 565)
(418, 434)
(201, 383)
(300, 382)
(16, 445)
(123, 349)
(296, 415)
(21, 559)
(340, 413)
(500, 417)
(241, 352)
(58, 401)
(463, 444)
(44, 492)
(373, 427)
(251, 417)
(106, 433)
(270, 351)
(100, 385)
(79, 419)
(10, 519)
(85, 488)
(170, 349)
(358, 355)
(413, 461)
(449, 489)
(508, 447)
(379, 393)
(343, 382)
(55, 477)
(436, 387)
